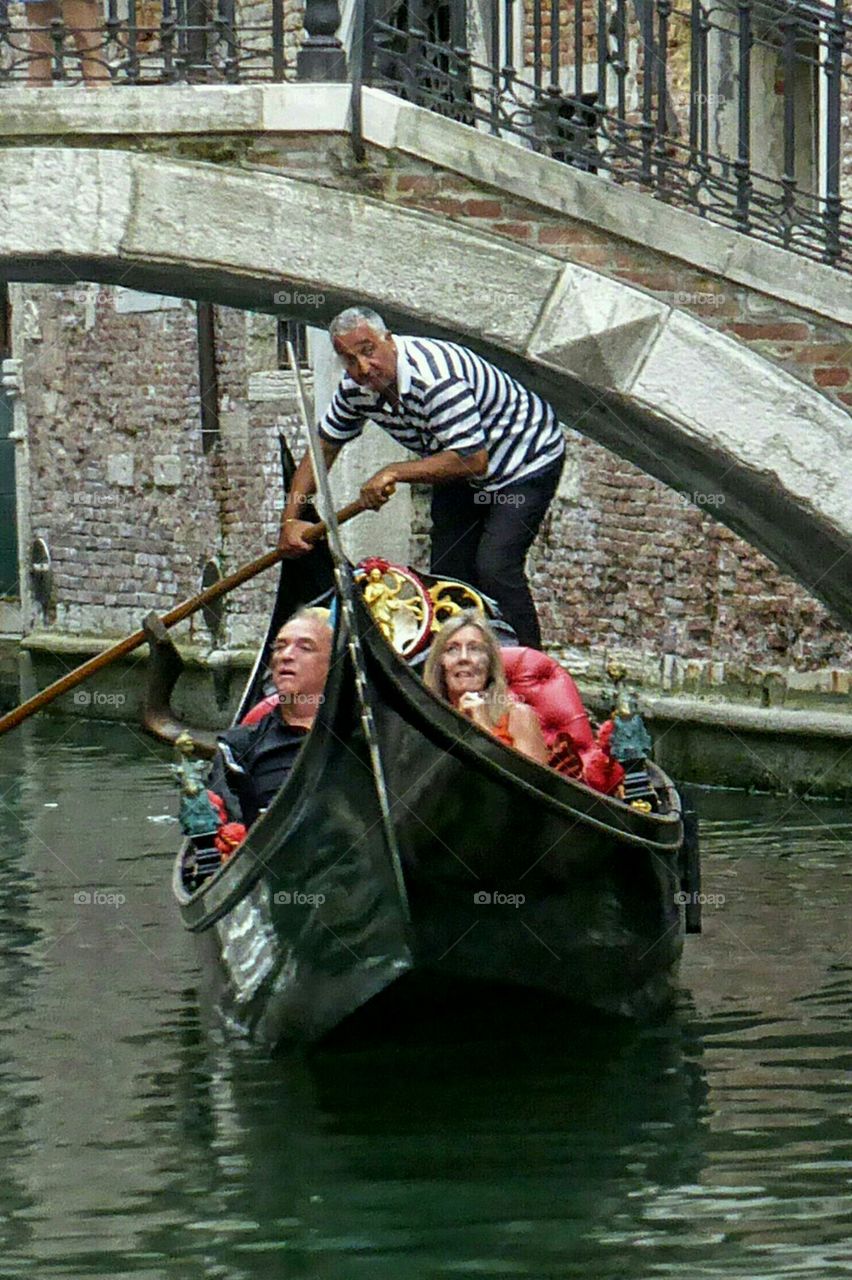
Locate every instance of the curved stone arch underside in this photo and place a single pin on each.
(687, 404)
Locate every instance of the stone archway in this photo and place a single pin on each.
(690, 406)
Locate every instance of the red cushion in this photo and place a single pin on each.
(260, 709)
(539, 680)
(550, 691)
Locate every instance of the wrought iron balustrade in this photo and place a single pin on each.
(130, 42)
(733, 109)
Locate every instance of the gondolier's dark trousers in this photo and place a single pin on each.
(484, 538)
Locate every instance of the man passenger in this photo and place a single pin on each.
(253, 761)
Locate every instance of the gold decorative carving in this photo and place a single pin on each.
(395, 601)
(449, 599)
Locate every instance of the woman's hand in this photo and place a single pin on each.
(472, 705)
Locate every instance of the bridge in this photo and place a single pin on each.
(700, 331)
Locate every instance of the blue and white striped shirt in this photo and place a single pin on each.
(450, 398)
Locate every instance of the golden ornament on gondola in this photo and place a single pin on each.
(450, 598)
(399, 604)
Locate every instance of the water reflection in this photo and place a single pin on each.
(137, 1143)
(491, 1158)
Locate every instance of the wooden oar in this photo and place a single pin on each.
(180, 611)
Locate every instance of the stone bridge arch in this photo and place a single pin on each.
(689, 405)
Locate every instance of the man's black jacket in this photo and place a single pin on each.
(252, 763)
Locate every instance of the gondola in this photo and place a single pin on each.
(408, 847)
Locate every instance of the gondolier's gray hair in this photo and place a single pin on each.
(352, 317)
(496, 692)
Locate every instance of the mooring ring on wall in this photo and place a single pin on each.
(41, 571)
(214, 612)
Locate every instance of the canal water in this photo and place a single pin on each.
(135, 1142)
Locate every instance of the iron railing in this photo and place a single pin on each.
(130, 42)
(732, 109)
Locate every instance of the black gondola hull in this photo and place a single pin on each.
(512, 874)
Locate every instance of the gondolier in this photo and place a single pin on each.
(492, 449)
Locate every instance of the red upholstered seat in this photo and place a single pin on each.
(551, 692)
(260, 709)
(549, 689)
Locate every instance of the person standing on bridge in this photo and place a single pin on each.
(84, 20)
(492, 450)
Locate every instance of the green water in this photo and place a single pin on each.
(137, 1142)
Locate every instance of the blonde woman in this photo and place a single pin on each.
(464, 667)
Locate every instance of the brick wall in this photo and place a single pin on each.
(129, 504)
(626, 565)
(846, 128)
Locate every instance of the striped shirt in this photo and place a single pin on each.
(450, 398)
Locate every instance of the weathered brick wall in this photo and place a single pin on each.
(129, 504)
(106, 395)
(846, 132)
(626, 565)
(254, 23)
